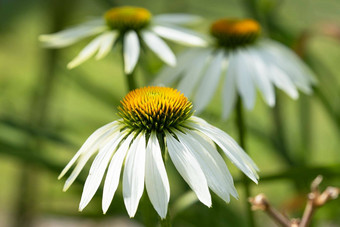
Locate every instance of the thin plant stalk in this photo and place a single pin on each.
(251, 8)
(166, 221)
(305, 127)
(130, 80)
(240, 122)
(280, 132)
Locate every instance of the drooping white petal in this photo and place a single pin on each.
(208, 86)
(193, 73)
(93, 139)
(159, 47)
(245, 84)
(212, 164)
(108, 39)
(71, 35)
(210, 146)
(229, 92)
(233, 151)
(156, 179)
(113, 173)
(131, 51)
(86, 156)
(179, 35)
(168, 75)
(97, 170)
(279, 77)
(177, 18)
(133, 176)
(290, 64)
(189, 168)
(87, 52)
(304, 74)
(260, 75)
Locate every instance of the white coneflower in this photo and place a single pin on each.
(155, 121)
(245, 62)
(132, 26)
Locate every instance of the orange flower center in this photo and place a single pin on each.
(127, 17)
(232, 33)
(155, 108)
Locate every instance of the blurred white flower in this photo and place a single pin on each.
(244, 62)
(133, 27)
(155, 121)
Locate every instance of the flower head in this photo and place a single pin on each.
(132, 26)
(246, 62)
(232, 33)
(156, 121)
(155, 108)
(127, 18)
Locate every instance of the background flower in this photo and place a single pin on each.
(133, 27)
(244, 62)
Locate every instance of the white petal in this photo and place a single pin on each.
(245, 83)
(97, 170)
(229, 93)
(93, 139)
(133, 176)
(177, 18)
(260, 76)
(187, 165)
(108, 39)
(290, 64)
(113, 173)
(193, 73)
(85, 154)
(210, 146)
(156, 179)
(131, 51)
(279, 77)
(179, 35)
(168, 75)
(160, 48)
(85, 157)
(208, 86)
(304, 75)
(211, 163)
(233, 151)
(87, 52)
(69, 36)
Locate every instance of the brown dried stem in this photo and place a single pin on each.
(315, 199)
(260, 202)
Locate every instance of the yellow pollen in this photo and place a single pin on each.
(235, 32)
(155, 108)
(127, 17)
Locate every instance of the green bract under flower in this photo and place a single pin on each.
(232, 33)
(126, 18)
(155, 108)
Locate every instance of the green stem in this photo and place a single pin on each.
(251, 8)
(305, 126)
(280, 133)
(166, 221)
(328, 107)
(130, 80)
(242, 134)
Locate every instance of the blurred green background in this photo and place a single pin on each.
(47, 112)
